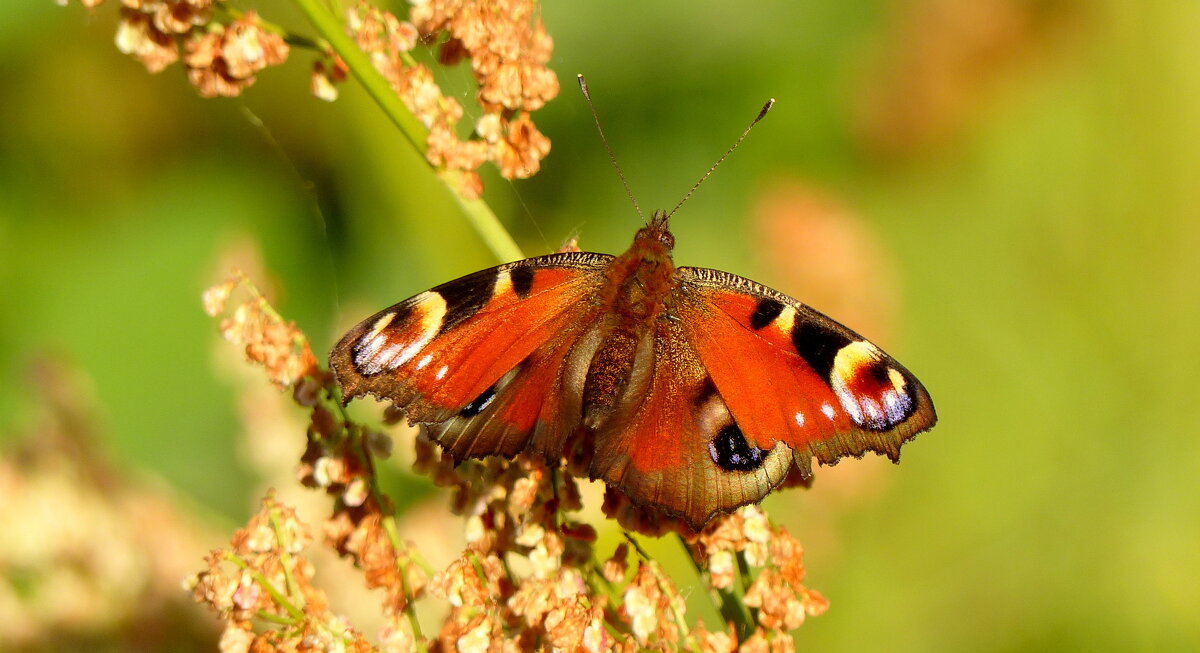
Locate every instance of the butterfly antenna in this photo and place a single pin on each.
(611, 157)
(761, 114)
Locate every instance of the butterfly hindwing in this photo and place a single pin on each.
(674, 443)
(790, 374)
(534, 407)
(452, 351)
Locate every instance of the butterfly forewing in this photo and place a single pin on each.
(439, 354)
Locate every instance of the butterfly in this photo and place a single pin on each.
(696, 391)
(700, 390)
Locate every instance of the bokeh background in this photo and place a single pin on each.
(1001, 192)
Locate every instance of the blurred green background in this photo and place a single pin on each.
(1027, 168)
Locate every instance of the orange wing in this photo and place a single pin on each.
(483, 357)
(793, 375)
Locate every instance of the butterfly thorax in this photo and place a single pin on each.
(639, 283)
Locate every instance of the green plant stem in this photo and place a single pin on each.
(637, 546)
(389, 527)
(333, 31)
(410, 611)
(274, 618)
(485, 222)
(277, 596)
(744, 574)
(676, 615)
(477, 211)
(362, 450)
(286, 559)
(728, 601)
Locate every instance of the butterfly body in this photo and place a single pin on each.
(695, 390)
(639, 285)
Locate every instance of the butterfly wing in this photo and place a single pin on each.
(534, 407)
(659, 447)
(483, 358)
(791, 374)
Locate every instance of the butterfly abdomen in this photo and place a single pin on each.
(608, 376)
(639, 282)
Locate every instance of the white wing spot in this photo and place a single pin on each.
(431, 310)
(896, 405)
(364, 355)
(407, 353)
(441, 372)
(800, 418)
(874, 414)
(424, 361)
(829, 411)
(378, 351)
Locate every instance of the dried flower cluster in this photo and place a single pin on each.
(225, 58)
(264, 576)
(504, 41)
(508, 49)
(278, 346)
(221, 59)
(778, 593)
(529, 577)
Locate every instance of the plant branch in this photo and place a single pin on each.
(332, 30)
(296, 613)
(728, 601)
(478, 213)
(285, 559)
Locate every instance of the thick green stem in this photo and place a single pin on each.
(494, 235)
(480, 215)
(333, 31)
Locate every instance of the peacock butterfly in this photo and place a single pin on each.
(698, 390)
